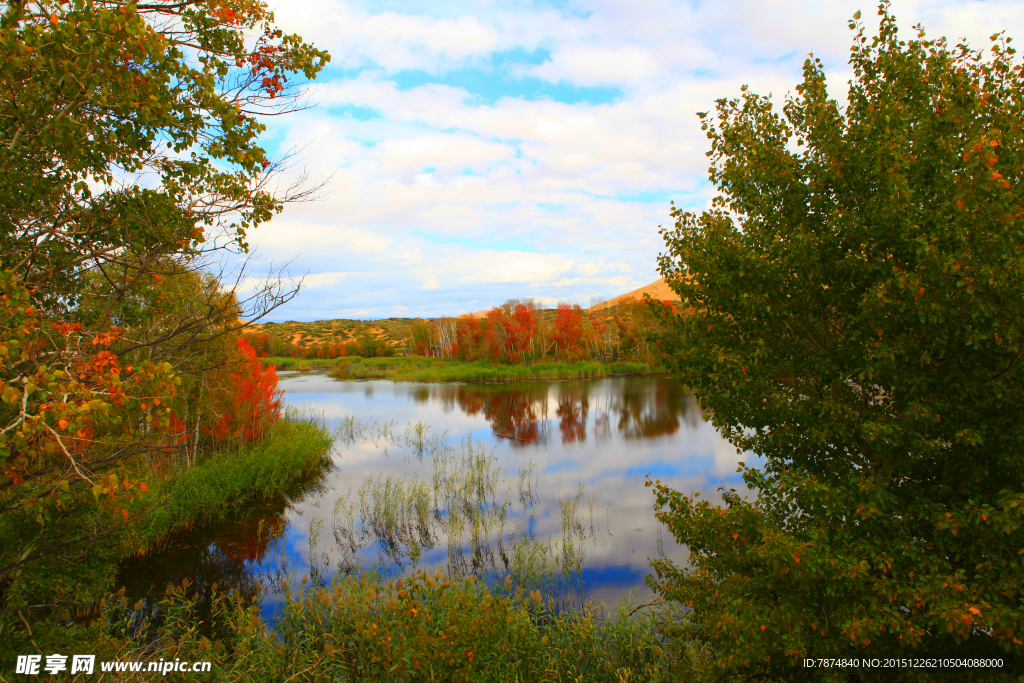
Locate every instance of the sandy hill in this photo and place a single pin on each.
(658, 290)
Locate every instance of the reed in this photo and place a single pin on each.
(418, 369)
(429, 627)
(497, 613)
(289, 364)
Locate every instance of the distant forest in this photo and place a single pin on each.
(516, 331)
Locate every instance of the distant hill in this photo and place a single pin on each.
(658, 290)
(391, 330)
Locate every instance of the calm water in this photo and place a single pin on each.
(469, 478)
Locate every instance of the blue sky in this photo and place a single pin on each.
(480, 151)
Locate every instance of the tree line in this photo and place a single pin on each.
(518, 331)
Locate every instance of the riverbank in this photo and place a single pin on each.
(50, 597)
(422, 369)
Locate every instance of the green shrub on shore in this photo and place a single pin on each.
(424, 628)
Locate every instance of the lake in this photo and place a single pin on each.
(472, 478)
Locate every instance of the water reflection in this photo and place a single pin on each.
(216, 558)
(473, 479)
(642, 408)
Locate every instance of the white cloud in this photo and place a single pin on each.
(597, 65)
(460, 193)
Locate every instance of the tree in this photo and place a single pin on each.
(568, 329)
(97, 94)
(521, 331)
(856, 299)
(418, 337)
(250, 403)
(127, 151)
(469, 337)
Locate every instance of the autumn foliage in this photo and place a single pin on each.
(250, 400)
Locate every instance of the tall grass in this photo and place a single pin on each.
(419, 369)
(285, 463)
(476, 622)
(294, 450)
(484, 519)
(287, 363)
(429, 627)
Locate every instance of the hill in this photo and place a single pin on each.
(657, 290)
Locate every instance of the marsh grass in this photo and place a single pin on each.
(466, 505)
(290, 364)
(289, 462)
(429, 627)
(420, 369)
(501, 611)
(285, 463)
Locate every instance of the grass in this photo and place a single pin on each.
(287, 363)
(428, 628)
(420, 369)
(476, 622)
(485, 520)
(294, 450)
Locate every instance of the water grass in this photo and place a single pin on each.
(429, 627)
(289, 364)
(494, 615)
(286, 463)
(483, 518)
(419, 369)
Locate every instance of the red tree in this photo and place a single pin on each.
(520, 334)
(568, 328)
(469, 338)
(253, 399)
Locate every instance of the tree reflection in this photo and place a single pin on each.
(515, 411)
(573, 405)
(634, 407)
(217, 558)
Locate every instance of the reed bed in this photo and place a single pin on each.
(429, 627)
(465, 505)
(419, 369)
(289, 364)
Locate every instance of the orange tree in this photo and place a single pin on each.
(94, 95)
(857, 319)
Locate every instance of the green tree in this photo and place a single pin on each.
(856, 299)
(128, 150)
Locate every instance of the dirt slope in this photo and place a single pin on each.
(658, 290)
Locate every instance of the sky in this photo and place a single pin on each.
(480, 151)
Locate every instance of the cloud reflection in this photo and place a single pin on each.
(587, 444)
